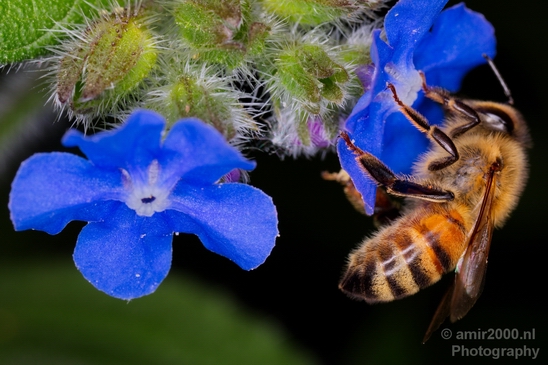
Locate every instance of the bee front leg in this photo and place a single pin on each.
(443, 97)
(433, 132)
(380, 173)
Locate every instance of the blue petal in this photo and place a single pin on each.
(127, 256)
(369, 137)
(452, 48)
(362, 182)
(233, 220)
(199, 154)
(406, 24)
(402, 144)
(366, 124)
(432, 111)
(458, 39)
(381, 53)
(52, 189)
(132, 146)
(401, 135)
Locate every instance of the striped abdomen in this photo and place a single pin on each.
(408, 255)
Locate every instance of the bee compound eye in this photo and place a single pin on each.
(495, 122)
(497, 119)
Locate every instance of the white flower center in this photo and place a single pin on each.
(146, 197)
(408, 83)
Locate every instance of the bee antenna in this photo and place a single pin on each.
(501, 80)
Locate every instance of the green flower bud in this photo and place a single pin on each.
(315, 12)
(190, 99)
(309, 75)
(220, 32)
(188, 90)
(298, 133)
(105, 64)
(257, 36)
(207, 22)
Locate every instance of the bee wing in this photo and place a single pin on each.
(442, 312)
(470, 275)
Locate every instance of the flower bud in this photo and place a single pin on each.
(204, 23)
(315, 12)
(104, 64)
(222, 32)
(309, 75)
(300, 133)
(189, 90)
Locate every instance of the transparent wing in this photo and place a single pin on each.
(470, 274)
(442, 312)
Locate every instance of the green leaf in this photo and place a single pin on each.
(27, 27)
(51, 315)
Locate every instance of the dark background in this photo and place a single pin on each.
(297, 286)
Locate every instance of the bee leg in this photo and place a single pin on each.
(443, 97)
(380, 173)
(386, 209)
(433, 132)
(352, 194)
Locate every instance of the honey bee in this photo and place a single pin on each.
(460, 190)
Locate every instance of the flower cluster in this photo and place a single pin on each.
(145, 181)
(136, 190)
(290, 62)
(445, 46)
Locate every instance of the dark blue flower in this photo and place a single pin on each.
(445, 46)
(137, 189)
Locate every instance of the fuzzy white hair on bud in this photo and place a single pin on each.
(68, 67)
(187, 88)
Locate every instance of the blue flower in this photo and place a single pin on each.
(137, 189)
(445, 46)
